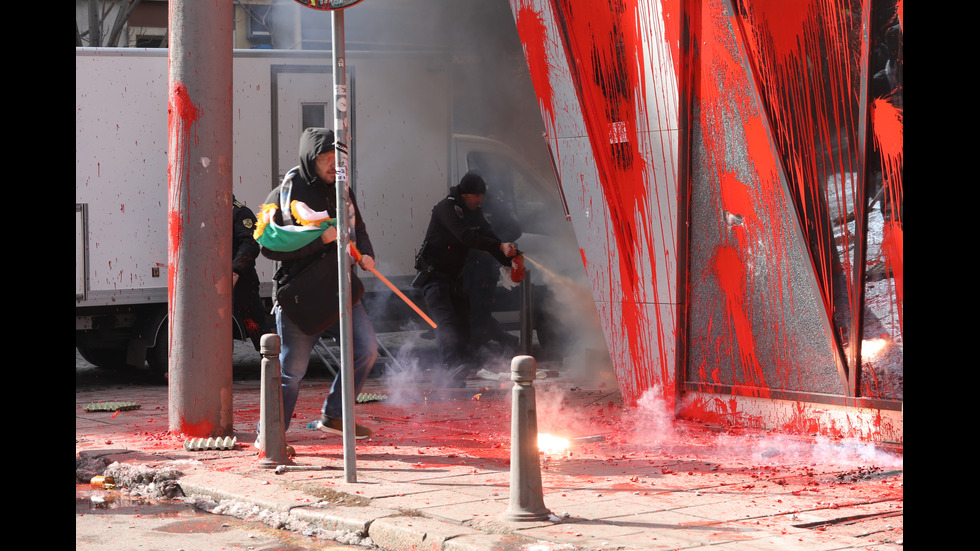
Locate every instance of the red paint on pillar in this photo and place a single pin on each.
(533, 34)
(183, 114)
(197, 430)
(606, 53)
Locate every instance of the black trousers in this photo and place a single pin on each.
(248, 309)
(449, 307)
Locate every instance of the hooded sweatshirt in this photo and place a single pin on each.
(454, 230)
(319, 196)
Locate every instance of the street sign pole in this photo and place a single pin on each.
(343, 224)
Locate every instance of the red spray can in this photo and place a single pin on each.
(517, 268)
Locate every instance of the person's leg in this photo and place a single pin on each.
(480, 283)
(438, 299)
(294, 360)
(365, 353)
(461, 310)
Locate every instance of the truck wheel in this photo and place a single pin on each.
(106, 358)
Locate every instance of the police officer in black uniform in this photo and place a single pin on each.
(457, 225)
(245, 296)
(482, 272)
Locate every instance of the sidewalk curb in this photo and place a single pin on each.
(386, 528)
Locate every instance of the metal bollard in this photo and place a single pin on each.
(526, 499)
(271, 440)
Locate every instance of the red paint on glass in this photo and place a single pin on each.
(893, 246)
(729, 268)
(800, 57)
(814, 115)
(889, 138)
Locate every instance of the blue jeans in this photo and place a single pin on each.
(294, 359)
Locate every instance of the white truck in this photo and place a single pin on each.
(404, 156)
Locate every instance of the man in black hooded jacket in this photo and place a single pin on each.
(314, 182)
(457, 225)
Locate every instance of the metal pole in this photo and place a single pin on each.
(199, 218)
(343, 232)
(527, 315)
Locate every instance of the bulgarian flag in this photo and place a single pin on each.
(274, 237)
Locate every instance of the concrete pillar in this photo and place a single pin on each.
(200, 217)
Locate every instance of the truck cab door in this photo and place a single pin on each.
(532, 197)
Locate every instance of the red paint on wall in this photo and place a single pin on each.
(803, 60)
(604, 44)
(806, 59)
(530, 27)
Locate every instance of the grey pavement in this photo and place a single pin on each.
(436, 475)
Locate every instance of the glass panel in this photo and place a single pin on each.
(811, 64)
(511, 184)
(882, 348)
(314, 115)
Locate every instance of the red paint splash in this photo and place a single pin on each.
(730, 271)
(800, 57)
(812, 109)
(182, 116)
(530, 27)
(195, 430)
(894, 247)
(889, 137)
(605, 49)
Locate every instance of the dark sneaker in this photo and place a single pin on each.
(336, 426)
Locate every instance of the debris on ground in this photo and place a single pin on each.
(365, 397)
(142, 480)
(112, 406)
(200, 444)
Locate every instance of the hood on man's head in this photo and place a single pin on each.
(312, 142)
(472, 183)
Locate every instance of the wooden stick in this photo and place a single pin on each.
(357, 257)
(403, 297)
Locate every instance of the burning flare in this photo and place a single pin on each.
(551, 444)
(871, 348)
